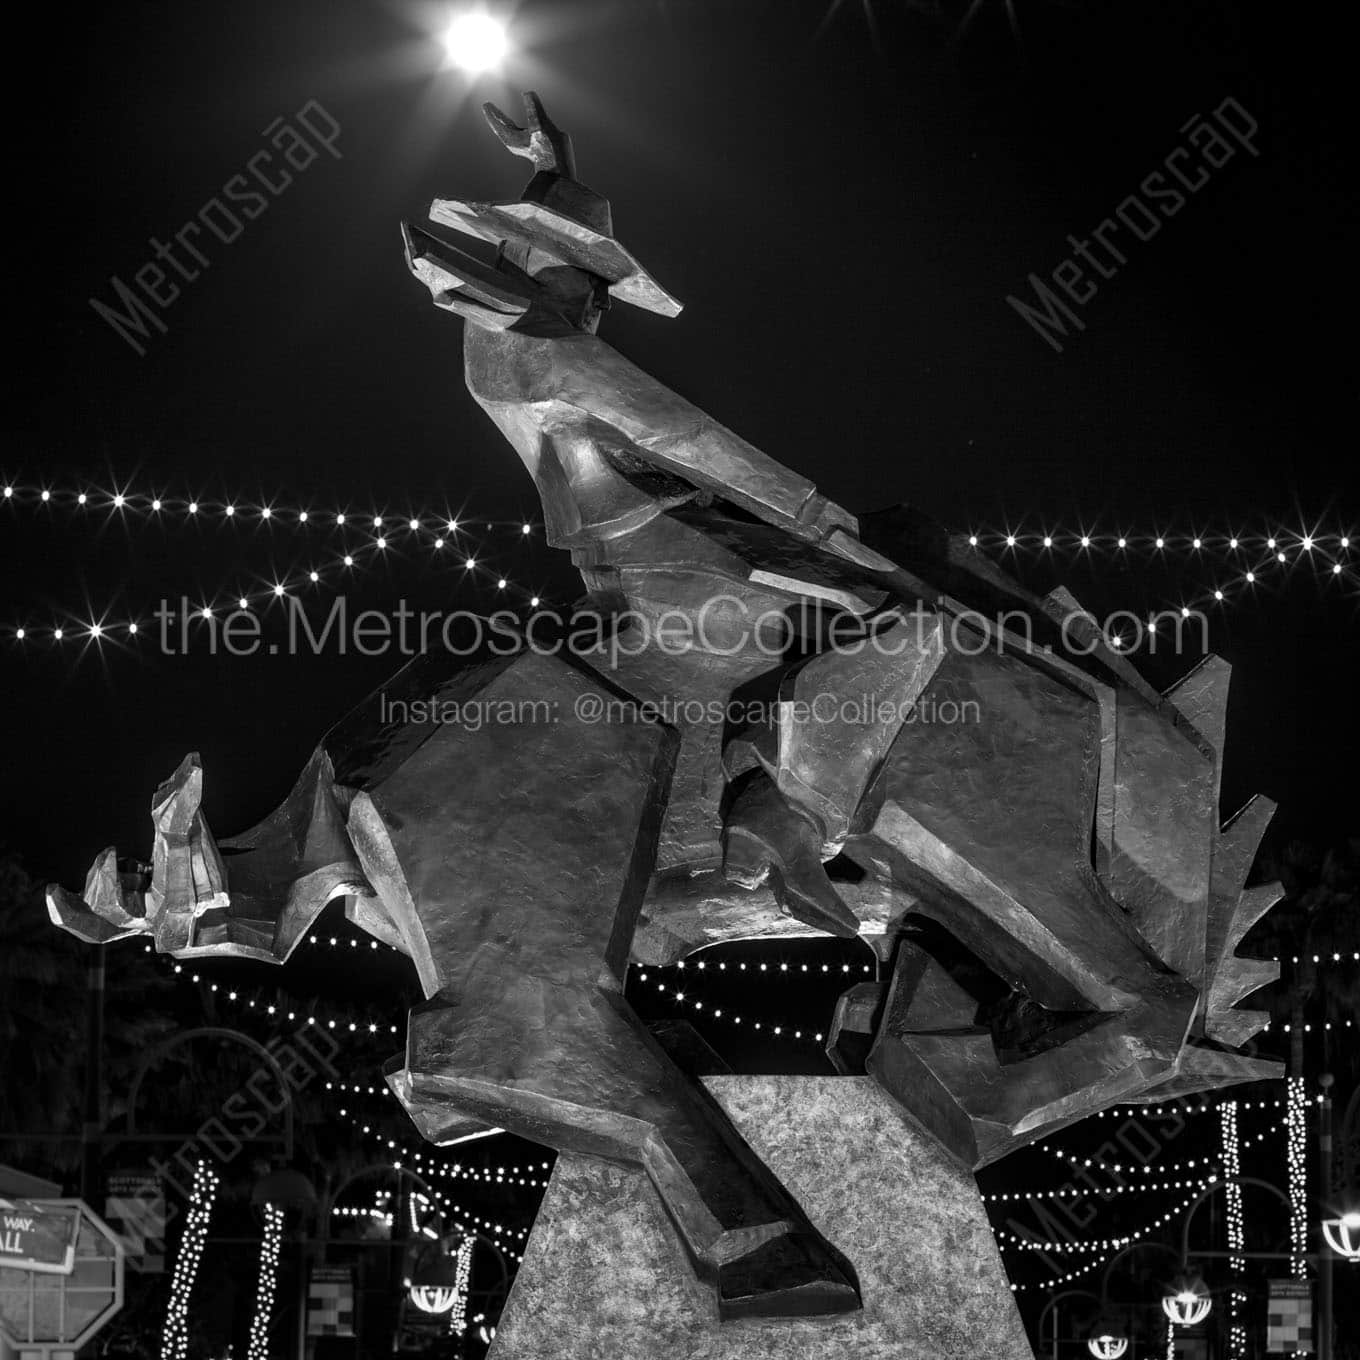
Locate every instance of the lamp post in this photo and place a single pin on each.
(1326, 1081)
(92, 1127)
(1052, 1307)
(288, 1189)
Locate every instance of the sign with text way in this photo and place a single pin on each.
(38, 1236)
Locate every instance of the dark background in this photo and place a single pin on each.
(843, 197)
(843, 210)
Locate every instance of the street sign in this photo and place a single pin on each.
(330, 1301)
(1290, 1329)
(45, 1315)
(35, 1235)
(135, 1210)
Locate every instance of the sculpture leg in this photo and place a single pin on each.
(603, 1086)
(950, 1074)
(514, 856)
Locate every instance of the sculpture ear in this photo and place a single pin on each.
(513, 137)
(540, 140)
(535, 115)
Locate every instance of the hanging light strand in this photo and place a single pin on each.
(516, 1176)
(1201, 1164)
(92, 504)
(1105, 1244)
(1297, 1154)
(258, 1345)
(1324, 543)
(679, 997)
(202, 1194)
(462, 1278)
(1203, 1107)
(174, 621)
(1068, 1192)
(1237, 1264)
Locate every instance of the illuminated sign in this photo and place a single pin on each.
(46, 1314)
(36, 1236)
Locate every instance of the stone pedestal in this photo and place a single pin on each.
(604, 1277)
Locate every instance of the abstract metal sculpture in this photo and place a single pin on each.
(1048, 879)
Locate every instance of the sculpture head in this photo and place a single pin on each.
(557, 260)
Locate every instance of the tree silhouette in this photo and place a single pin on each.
(43, 999)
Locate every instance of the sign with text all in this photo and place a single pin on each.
(38, 1236)
(47, 1314)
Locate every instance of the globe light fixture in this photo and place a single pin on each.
(1343, 1235)
(434, 1288)
(430, 1299)
(1188, 1303)
(1108, 1347)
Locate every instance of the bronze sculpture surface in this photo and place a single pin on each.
(1050, 883)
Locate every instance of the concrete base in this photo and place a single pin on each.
(603, 1274)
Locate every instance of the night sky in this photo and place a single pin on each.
(843, 211)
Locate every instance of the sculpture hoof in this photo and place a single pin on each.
(796, 1275)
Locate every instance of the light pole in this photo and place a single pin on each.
(290, 1189)
(1326, 1081)
(1052, 1306)
(92, 1127)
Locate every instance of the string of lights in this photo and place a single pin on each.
(1054, 1281)
(355, 1088)
(1158, 1168)
(335, 942)
(1239, 563)
(513, 1175)
(1068, 1192)
(1203, 1107)
(460, 1212)
(1237, 1263)
(366, 539)
(1058, 1246)
(448, 535)
(202, 1194)
(270, 1008)
(462, 1277)
(782, 968)
(1297, 1153)
(259, 1004)
(501, 1175)
(498, 1232)
(505, 1238)
(235, 611)
(382, 1213)
(1200, 544)
(428, 1166)
(1057, 1280)
(1320, 958)
(258, 1346)
(681, 998)
(239, 609)
(652, 976)
(88, 499)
